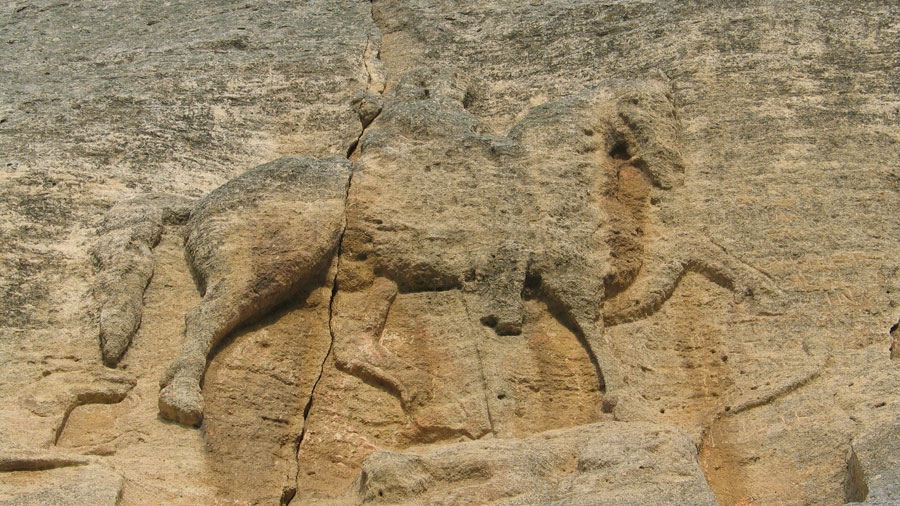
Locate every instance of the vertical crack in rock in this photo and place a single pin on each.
(368, 106)
(290, 492)
(372, 59)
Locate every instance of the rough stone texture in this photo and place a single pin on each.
(717, 262)
(874, 465)
(604, 463)
(61, 484)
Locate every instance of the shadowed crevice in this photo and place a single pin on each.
(855, 487)
(895, 341)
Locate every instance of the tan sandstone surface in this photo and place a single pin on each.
(341, 252)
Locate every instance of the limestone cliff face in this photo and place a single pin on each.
(413, 252)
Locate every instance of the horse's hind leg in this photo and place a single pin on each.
(206, 324)
(246, 282)
(253, 243)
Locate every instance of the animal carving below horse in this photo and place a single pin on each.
(560, 207)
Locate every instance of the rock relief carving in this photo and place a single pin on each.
(123, 258)
(433, 201)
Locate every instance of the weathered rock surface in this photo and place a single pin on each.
(55, 482)
(603, 463)
(874, 465)
(617, 234)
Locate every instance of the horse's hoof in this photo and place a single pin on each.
(182, 402)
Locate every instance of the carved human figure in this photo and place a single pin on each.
(559, 206)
